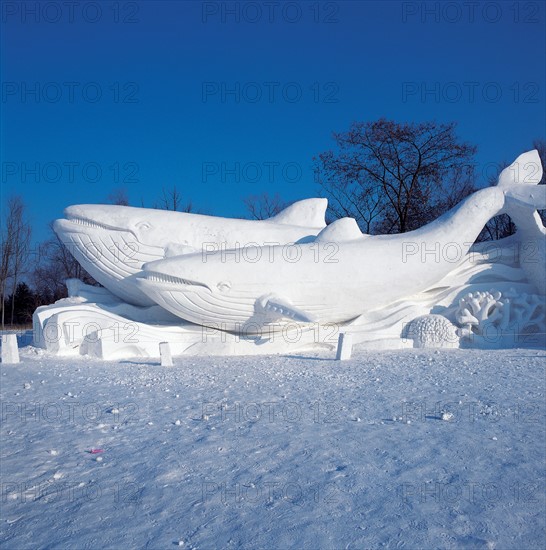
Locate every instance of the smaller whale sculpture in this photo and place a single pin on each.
(113, 242)
(342, 273)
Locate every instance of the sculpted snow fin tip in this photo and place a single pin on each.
(519, 181)
(526, 169)
(345, 229)
(308, 212)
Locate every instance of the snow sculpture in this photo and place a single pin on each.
(432, 331)
(339, 275)
(489, 320)
(113, 242)
(210, 285)
(526, 312)
(478, 311)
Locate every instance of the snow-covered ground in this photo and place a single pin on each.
(410, 449)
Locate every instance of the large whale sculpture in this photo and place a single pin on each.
(113, 242)
(340, 275)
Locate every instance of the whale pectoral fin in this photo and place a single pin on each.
(277, 307)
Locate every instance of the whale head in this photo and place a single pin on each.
(113, 242)
(202, 292)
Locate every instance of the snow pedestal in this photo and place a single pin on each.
(10, 351)
(111, 330)
(344, 346)
(165, 353)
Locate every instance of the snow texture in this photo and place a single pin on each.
(391, 449)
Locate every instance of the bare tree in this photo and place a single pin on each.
(172, 200)
(497, 228)
(119, 196)
(15, 250)
(26, 301)
(349, 199)
(264, 206)
(394, 177)
(5, 266)
(54, 266)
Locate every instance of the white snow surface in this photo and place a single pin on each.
(391, 449)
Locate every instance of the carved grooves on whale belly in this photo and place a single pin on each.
(116, 267)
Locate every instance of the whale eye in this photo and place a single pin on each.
(143, 225)
(224, 286)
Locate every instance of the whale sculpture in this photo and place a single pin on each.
(342, 273)
(531, 236)
(113, 242)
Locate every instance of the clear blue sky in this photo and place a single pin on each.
(169, 112)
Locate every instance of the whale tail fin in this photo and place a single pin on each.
(519, 181)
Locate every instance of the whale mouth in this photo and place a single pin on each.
(87, 222)
(162, 278)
